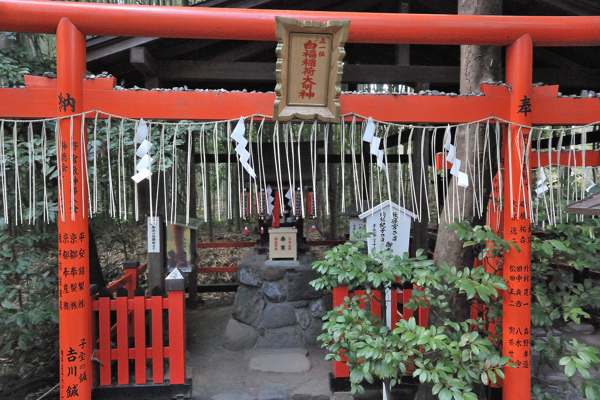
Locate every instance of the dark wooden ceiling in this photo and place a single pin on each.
(237, 65)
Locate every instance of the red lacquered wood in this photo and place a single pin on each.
(139, 312)
(340, 369)
(376, 304)
(258, 24)
(122, 341)
(103, 353)
(157, 339)
(177, 336)
(407, 313)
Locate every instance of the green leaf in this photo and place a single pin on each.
(570, 369)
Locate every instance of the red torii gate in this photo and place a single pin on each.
(71, 21)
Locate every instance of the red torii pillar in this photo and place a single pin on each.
(75, 338)
(516, 306)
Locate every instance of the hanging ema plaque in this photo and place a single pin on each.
(309, 69)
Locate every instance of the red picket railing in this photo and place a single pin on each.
(399, 298)
(126, 338)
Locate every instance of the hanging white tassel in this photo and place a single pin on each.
(189, 176)
(31, 175)
(3, 173)
(18, 204)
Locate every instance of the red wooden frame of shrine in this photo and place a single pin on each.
(72, 21)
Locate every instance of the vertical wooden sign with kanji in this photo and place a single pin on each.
(309, 69)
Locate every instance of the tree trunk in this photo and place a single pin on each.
(478, 64)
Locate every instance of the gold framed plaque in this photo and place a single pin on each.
(309, 69)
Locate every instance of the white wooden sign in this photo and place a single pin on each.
(153, 235)
(390, 225)
(356, 224)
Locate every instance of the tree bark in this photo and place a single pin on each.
(478, 64)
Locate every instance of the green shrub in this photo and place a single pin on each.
(28, 306)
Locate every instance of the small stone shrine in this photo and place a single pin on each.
(275, 305)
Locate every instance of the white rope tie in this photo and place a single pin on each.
(95, 152)
(120, 186)
(229, 209)
(189, 176)
(300, 170)
(3, 173)
(435, 175)
(84, 170)
(61, 186)
(46, 210)
(174, 177)
(204, 172)
(423, 175)
(123, 174)
(111, 203)
(18, 204)
(216, 154)
(326, 187)
(343, 165)
(314, 163)
(278, 171)
(31, 174)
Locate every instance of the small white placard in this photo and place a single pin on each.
(390, 225)
(356, 224)
(153, 235)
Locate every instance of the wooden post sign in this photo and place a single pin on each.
(390, 225)
(309, 69)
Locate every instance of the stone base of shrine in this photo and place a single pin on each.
(275, 305)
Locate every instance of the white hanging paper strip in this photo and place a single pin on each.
(586, 176)
(369, 136)
(463, 180)
(142, 131)
(369, 131)
(455, 167)
(238, 136)
(140, 176)
(144, 165)
(270, 200)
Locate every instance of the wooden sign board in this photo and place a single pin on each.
(309, 69)
(390, 225)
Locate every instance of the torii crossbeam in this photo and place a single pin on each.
(72, 21)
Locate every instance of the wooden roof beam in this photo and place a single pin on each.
(143, 61)
(252, 24)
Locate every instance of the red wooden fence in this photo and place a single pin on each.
(399, 300)
(126, 338)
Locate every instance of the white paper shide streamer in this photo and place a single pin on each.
(370, 137)
(463, 178)
(242, 142)
(143, 165)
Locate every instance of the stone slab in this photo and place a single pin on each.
(316, 389)
(282, 264)
(281, 338)
(282, 363)
(234, 395)
(250, 353)
(273, 391)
